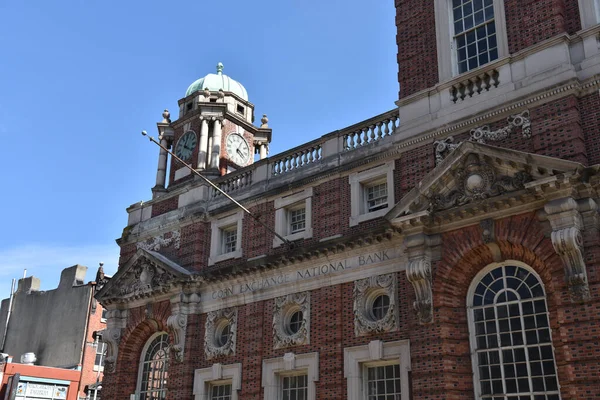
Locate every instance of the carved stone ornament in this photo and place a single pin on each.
(418, 274)
(165, 240)
(285, 307)
(143, 277)
(521, 120)
(177, 323)
(365, 291)
(567, 240)
(215, 321)
(112, 338)
(443, 148)
(477, 180)
(482, 134)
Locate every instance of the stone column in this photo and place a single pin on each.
(161, 172)
(263, 151)
(203, 147)
(216, 145)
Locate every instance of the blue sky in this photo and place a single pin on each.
(80, 79)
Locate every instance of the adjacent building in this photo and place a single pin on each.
(56, 328)
(446, 249)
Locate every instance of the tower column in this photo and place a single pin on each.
(161, 172)
(216, 145)
(263, 151)
(165, 135)
(203, 147)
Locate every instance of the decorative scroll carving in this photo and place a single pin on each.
(143, 277)
(487, 230)
(567, 240)
(215, 320)
(285, 307)
(177, 323)
(476, 180)
(443, 148)
(112, 338)
(365, 291)
(521, 120)
(418, 273)
(165, 240)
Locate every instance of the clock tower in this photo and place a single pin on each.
(214, 132)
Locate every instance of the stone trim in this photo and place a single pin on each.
(365, 290)
(418, 248)
(289, 364)
(213, 320)
(567, 224)
(203, 377)
(358, 180)
(217, 227)
(284, 307)
(373, 354)
(283, 205)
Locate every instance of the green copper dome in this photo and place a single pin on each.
(216, 82)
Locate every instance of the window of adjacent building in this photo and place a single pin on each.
(510, 335)
(103, 316)
(293, 216)
(294, 387)
(474, 33)
(383, 382)
(153, 373)
(378, 370)
(371, 193)
(100, 355)
(220, 392)
(226, 236)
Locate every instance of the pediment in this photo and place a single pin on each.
(145, 274)
(478, 178)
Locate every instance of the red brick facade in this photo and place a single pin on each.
(556, 150)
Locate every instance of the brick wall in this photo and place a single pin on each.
(417, 54)
(95, 324)
(590, 124)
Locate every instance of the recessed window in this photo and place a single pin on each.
(474, 33)
(294, 387)
(383, 382)
(371, 193)
(511, 335)
(213, 100)
(240, 109)
(229, 238)
(223, 334)
(377, 196)
(293, 214)
(152, 383)
(226, 236)
(220, 392)
(189, 106)
(297, 220)
(295, 322)
(380, 307)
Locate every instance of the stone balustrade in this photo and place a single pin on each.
(233, 181)
(474, 85)
(371, 130)
(297, 158)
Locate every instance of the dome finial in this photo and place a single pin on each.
(219, 68)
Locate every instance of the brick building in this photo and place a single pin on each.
(59, 327)
(447, 249)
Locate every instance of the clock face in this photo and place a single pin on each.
(185, 146)
(237, 149)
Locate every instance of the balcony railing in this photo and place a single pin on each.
(298, 158)
(371, 130)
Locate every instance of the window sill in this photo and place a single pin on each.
(305, 234)
(226, 256)
(368, 216)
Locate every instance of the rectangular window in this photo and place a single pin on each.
(240, 109)
(100, 354)
(474, 33)
(294, 387)
(103, 316)
(297, 220)
(220, 392)
(377, 196)
(383, 382)
(229, 239)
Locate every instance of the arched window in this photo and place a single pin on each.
(154, 364)
(511, 344)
